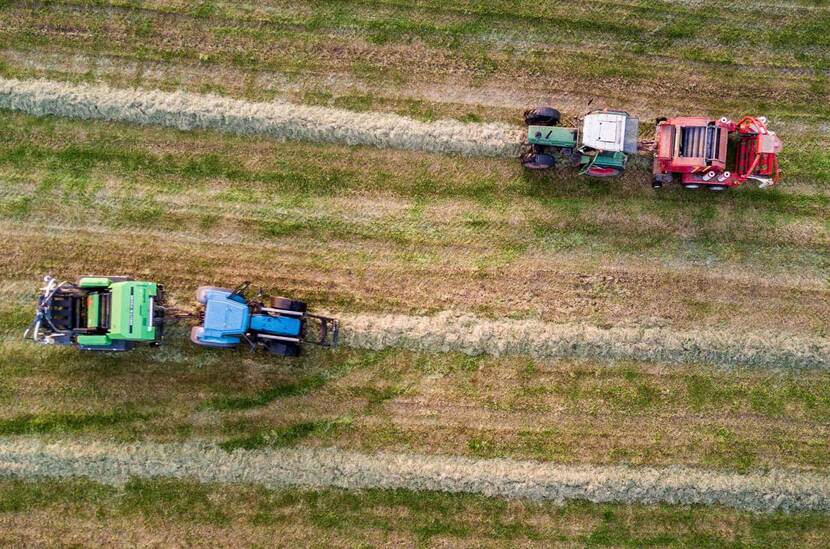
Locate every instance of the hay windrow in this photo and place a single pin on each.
(458, 332)
(115, 464)
(283, 121)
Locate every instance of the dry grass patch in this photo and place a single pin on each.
(172, 512)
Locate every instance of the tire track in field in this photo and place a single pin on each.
(458, 332)
(115, 464)
(283, 121)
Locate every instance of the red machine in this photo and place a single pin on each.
(716, 154)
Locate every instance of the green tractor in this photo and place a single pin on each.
(600, 147)
(99, 313)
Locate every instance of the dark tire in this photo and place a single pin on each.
(660, 119)
(281, 348)
(534, 161)
(542, 116)
(656, 183)
(288, 304)
(201, 292)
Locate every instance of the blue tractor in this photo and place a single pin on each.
(229, 318)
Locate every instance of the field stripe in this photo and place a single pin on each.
(284, 121)
(464, 333)
(115, 464)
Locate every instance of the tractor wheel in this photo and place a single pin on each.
(542, 116)
(691, 186)
(535, 161)
(601, 171)
(202, 291)
(281, 348)
(716, 187)
(288, 304)
(661, 119)
(657, 183)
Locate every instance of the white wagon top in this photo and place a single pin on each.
(610, 131)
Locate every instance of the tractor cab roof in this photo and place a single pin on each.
(611, 131)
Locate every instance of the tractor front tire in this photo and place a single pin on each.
(202, 291)
(281, 348)
(542, 116)
(288, 304)
(537, 161)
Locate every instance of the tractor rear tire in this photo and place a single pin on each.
(542, 116)
(657, 183)
(538, 161)
(281, 348)
(288, 304)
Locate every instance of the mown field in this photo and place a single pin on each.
(367, 230)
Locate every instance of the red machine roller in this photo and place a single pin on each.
(715, 154)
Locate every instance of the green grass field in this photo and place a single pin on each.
(364, 230)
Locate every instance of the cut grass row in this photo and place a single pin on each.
(564, 411)
(184, 512)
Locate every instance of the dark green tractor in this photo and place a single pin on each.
(600, 148)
